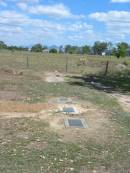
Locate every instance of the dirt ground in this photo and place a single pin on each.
(8, 106)
(10, 96)
(97, 125)
(123, 100)
(5, 70)
(54, 77)
(97, 120)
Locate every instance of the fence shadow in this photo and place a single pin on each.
(111, 83)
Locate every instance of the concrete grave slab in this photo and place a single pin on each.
(69, 110)
(75, 123)
(62, 100)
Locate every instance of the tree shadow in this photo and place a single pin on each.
(119, 82)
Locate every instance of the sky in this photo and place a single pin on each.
(61, 22)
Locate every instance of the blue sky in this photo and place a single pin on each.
(60, 22)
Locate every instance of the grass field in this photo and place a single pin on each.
(36, 144)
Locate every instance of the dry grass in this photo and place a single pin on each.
(34, 138)
(24, 107)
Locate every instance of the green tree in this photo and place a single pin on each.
(73, 49)
(114, 51)
(86, 49)
(68, 49)
(12, 48)
(99, 47)
(37, 48)
(53, 51)
(121, 49)
(3, 45)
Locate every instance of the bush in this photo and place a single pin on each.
(37, 48)
(125, 63)
(53, 51)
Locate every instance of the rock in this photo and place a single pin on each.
(20, 73)
(121, 67)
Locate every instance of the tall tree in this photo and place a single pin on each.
(99, 47)
(73, 49)
(68, 48)
(121, 49)
(37, 48)
(86, 49)
(53, 50)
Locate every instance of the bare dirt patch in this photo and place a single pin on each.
(6, 115)
(123, 100)
(78, 109)
(125, 103)
(10, 71)
(100, 170)
(9, 87)
(23, 135)
(97, 122)
(24, 107)
(7, 70)
(54, 77)
(37, 145)
(97, 128)
(10, 96)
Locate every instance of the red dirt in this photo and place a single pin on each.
(24, 107)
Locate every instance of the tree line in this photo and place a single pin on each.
(4, 46)
(121, 49)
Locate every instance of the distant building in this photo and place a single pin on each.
(45, 51)
(103, 53)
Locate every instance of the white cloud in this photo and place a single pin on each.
(12, 18)
(115, 16)
(35, 7)
(52, 10)
(120, 1)
(117, 22)
(30, 30)
(55, 10)
(79, 26)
